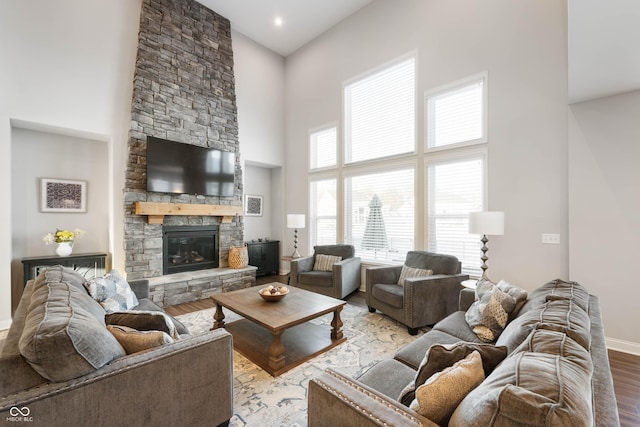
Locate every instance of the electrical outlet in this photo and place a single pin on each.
(551, 239)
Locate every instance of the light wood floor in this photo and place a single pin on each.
(625, 367)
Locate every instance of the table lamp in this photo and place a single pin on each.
(295, 221)
(486, 223)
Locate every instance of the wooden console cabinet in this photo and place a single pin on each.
(265, 256)
(90, 265)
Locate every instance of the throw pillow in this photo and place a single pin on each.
(518, 294)
(325, 262)
(112, 291)
(490, 313)
(143, 321)
(408, 272)
(441, 394)
(134, 341)
(439, 357)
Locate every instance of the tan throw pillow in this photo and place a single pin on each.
(408, 272)
(134, 341)
(325, 262)
(441, 394)
(441, 356)
(518, 294)
(490, 313)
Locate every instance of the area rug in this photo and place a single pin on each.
(262, 400)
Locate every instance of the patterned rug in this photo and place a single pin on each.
(262, 400)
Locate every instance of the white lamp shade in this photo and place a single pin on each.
(295, 220)
(488, 222)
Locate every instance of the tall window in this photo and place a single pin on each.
(456, 123)
(380, 113)
(323, 210)
(379, 214)
(455, 188)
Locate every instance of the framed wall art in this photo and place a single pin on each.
(63, 195)
(252, 205)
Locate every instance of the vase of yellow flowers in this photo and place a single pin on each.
(64, 239)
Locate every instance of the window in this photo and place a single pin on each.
(323, 210)
(380, 113)
(456, 124)
(379, 214)
(455, 188)
(323, 146)
(456, 114)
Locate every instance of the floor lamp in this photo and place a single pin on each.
(295, 221)
(486, 223)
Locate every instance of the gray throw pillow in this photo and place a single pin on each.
(112, 291)
(143, 321)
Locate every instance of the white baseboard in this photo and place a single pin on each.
(623, 346)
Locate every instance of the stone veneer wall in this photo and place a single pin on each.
(184, 90)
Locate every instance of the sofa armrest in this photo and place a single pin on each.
(383, 274)
(437, 297)
(336, 400)
(346, 275)
(140, 287)
(301, 265)
(174, 384)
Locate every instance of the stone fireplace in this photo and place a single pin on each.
(184, 91)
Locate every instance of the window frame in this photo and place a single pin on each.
(317, 130)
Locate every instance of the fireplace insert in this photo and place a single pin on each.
(189, 248)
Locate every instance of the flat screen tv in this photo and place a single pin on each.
(179, 168)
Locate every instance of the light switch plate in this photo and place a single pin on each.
(550, 239)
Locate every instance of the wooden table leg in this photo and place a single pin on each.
(218, 318)
(276, 352)
(336, 325)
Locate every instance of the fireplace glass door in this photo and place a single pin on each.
(188, 248)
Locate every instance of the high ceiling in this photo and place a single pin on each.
(604, 56)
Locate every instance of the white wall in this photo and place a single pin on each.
(69, 65)
(522, 45)
(55, 156)
(257, 182)
(604, 208)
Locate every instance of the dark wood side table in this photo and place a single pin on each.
(90, 265)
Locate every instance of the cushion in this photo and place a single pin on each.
(440, 357)
(143, 321)
(65, 335)
(325, 262)
(441, 394)
(58, 273)
(134, 341)
(408, 272)
(518, 294)
(392, 295)
(560, 315)
(146, 304)
(532, 389)
(489, 314)
(112, 292)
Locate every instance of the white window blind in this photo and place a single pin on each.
(455, 188)
(323, 148)
(379, 214)
(323, 212)
(380, 113)
(456, 115)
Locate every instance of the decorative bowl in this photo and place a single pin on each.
(271, 296)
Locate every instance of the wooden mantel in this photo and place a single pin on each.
(156, 211)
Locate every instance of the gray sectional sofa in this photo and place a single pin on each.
(556, 371)
(78, 374)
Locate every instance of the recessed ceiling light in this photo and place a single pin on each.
(278, 21)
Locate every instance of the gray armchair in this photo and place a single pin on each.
(420, 301)
(338, 283)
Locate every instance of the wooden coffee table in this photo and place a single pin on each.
(277, 336)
